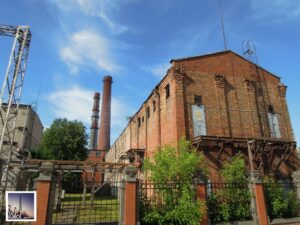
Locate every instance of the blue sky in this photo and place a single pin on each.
(76, 42)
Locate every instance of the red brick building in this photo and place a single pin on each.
(224, 104)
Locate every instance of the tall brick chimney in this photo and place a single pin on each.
(94, 122)
(104, 130)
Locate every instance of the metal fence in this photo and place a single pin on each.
(228, 202)
(159, 197)
(281, 199)
(80, 202)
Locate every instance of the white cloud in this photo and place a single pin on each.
(73, 103)
(94, 8)
(76, 103)
(87, 48)
(159, 70)
(275, 10)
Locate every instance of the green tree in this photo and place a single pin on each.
(175, 167)
(64, 140)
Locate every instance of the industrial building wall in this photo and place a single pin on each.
(235, 102)
(28, 121)
(214, 95)
(159, 121)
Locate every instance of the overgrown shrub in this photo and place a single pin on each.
(232, 201)
(281, 202)
(174, 206)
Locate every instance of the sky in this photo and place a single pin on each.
(77, 42)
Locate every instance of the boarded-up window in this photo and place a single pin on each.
(198, 113)
(274, 125)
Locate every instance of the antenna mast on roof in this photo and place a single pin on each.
(222, 23)
(249, 51)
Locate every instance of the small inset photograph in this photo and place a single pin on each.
(20, 206)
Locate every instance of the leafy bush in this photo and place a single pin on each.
(232, 201)
(174, 206)
(281, 203)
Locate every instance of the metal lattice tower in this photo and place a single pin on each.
(10, 96)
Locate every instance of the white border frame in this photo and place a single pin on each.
(20, 192)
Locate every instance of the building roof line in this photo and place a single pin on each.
(221, 53)
(184, 59)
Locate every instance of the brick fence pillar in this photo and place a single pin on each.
(129, 200)
(202, 195)
(44, 209)
(296, 182)
(259, 198)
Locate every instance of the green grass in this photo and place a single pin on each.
(104, 209)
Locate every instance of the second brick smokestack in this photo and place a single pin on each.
(94, 122)
(104, 129)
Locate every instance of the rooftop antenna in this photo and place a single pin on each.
(222, 23)
(249, 51)
(35, 104)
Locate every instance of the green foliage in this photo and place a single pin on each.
(175, 206)
(64, 140)
(231, 202)
(235, 171)
(172, 164)
(281, 203)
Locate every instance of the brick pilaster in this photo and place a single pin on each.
(129, 200)
(260, 204)
(202, 196)
(43, 202)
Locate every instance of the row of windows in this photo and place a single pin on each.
(197, 100)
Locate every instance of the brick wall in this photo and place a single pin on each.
(234, 108)
(236, 95)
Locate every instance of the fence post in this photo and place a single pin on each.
(130, 210)
(296, 182)
(202, 195)
(259, 199)
(44, 207)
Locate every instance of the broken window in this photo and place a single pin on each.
(167, 88)
(271, 109)
(139, 121)
(198, 99)
(154, 105)
(148, 112)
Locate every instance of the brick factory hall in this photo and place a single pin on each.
(223, 103)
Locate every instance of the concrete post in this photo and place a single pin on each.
(84, 193)
(261, 217)
(129, 199)
(44, 200)
(93, 191)
(202, 196)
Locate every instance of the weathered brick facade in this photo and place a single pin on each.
(237, 98)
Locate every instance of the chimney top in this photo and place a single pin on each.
(97, 95)
(107, 78)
